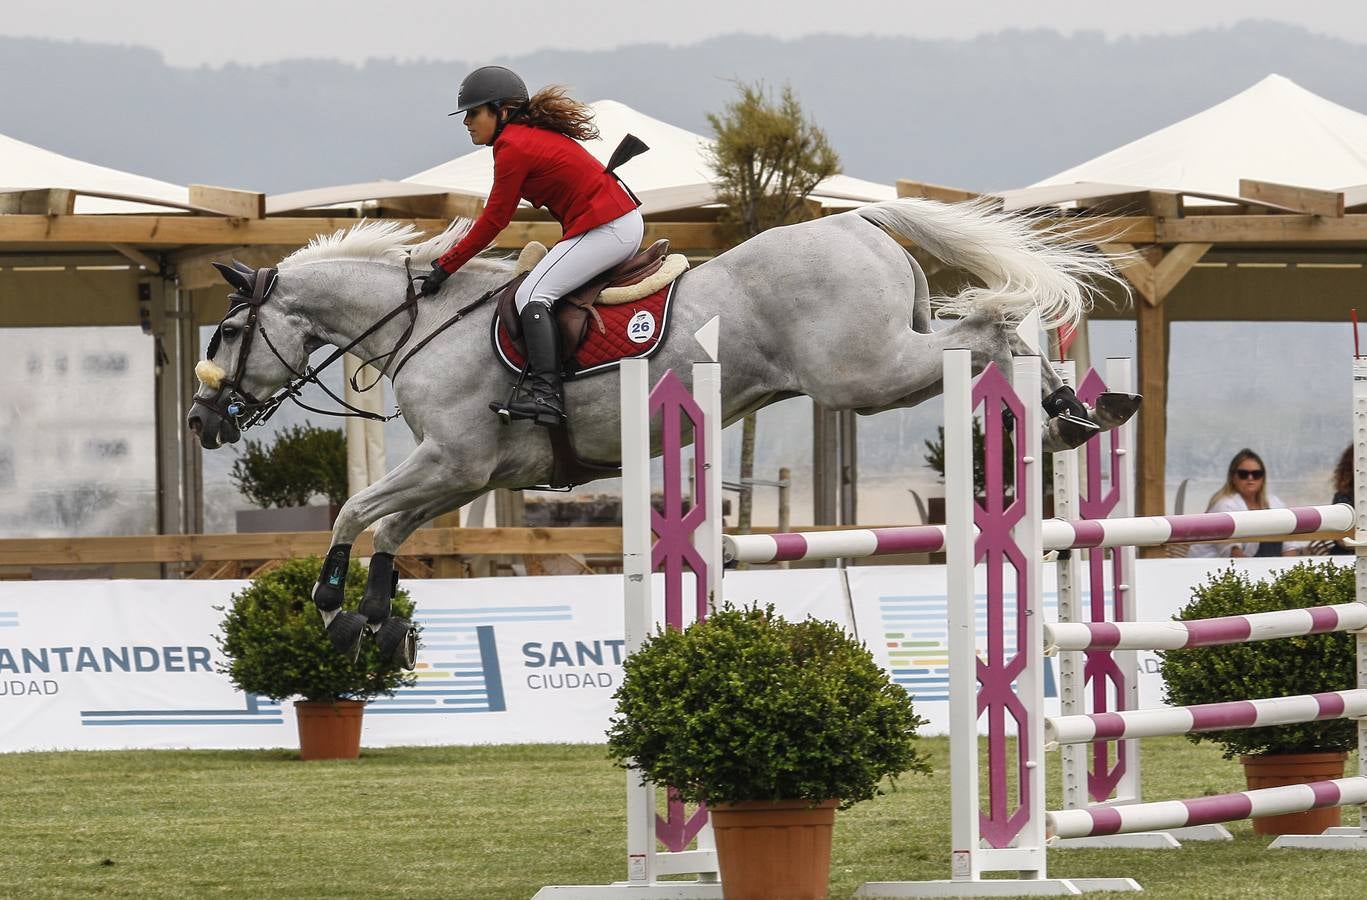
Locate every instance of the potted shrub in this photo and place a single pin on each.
(282, 478)
(276, 647)
(1280, 754)
(766, 721)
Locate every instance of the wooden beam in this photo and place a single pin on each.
(1151, 471)
(137, 256)
(1272, 229)
(39, 202)
(1308, 200)
(229, 202)
(1106, 229)
(172, 231)
(908, 188)
(1151, 271)
(202, 548)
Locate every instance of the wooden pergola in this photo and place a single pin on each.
(1273, 253)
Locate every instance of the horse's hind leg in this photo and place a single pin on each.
(1070, 422)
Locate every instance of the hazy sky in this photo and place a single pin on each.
(196, 32)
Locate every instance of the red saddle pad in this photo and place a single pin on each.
(632, 330)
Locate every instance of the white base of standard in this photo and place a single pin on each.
(660, 890)
(1005, 887)
(1340, 838)
(1168, 839)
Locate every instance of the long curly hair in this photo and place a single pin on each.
(1343, 473)
(553, 109)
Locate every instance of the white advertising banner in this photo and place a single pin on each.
(900, 612)
(134, 664)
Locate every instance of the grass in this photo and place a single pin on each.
(499, 822)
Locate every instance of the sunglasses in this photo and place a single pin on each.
(1246, 474)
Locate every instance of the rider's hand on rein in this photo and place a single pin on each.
(431, 283)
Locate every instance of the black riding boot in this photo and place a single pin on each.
(541, 401)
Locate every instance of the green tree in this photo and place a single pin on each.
(304, 460)
(768, 157)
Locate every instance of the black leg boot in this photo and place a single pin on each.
(541, 402)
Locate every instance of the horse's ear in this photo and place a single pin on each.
(245, 269)
(238, 279)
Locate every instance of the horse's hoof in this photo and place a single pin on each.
(398, 640)
(1115, 409)
(1066, 433)
(345, 632)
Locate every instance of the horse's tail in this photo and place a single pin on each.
(1022, 267)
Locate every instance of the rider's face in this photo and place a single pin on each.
(480, 122)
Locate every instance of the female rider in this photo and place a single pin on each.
(537, 157)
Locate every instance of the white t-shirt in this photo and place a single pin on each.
(1235, 503)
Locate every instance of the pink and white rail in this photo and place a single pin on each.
(1175, 635)
(1157, 721)
(1074, 823)
(1140, 531)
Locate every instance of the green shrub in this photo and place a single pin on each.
(747, 706)
(303, 461)
(1277, 668)
(274, 640)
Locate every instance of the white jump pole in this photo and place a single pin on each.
(647, 864)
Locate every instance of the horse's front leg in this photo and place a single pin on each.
(412, 484)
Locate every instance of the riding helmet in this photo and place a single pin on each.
(490, 84)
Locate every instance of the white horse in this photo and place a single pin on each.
(833, 308)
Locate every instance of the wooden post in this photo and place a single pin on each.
(1152, 338)
(825, 466)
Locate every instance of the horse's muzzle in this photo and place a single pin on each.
(212, 428)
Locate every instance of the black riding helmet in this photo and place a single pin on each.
(490, 84)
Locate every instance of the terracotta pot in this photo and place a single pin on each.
(329, 729)
(774, 851)
(1280, 769)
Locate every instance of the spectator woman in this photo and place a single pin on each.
(1245, 488)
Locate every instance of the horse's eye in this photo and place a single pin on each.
(229, 332)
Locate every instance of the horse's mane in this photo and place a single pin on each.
(385, 241)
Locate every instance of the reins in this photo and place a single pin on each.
(260, 411)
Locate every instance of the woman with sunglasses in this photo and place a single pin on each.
(1245, 488)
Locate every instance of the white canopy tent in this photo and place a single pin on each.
(1275, 132)
(26, 167)
(675, 174)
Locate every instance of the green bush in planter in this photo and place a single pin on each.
(1261, 669)
(304, 460)
(274, 640)
(747, 706)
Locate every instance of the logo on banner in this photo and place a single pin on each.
(916, 634)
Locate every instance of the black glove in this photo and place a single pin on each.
(432, 283)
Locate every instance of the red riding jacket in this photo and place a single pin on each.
(546, 169)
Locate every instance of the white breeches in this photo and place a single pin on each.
(575, 261)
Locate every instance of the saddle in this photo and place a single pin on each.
(640, 276)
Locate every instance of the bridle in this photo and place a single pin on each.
(233, 401)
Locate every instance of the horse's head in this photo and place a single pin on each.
(257, 348)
